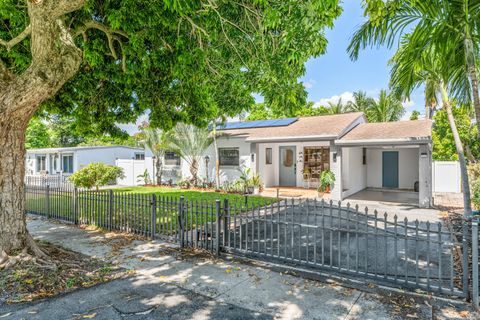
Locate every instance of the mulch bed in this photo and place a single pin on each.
(28, 281)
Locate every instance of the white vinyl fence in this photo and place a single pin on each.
(134, 168)
(446, 176)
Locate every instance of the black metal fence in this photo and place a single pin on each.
(313, 234)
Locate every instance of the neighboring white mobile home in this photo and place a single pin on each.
(65, 161)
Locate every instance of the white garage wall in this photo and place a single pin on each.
(408, 161)
(354, 172)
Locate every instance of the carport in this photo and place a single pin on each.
(388, 162)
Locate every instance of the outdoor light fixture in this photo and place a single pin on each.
(334, 157)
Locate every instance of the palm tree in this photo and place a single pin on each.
(361, 102)
(408, 73)
(387, 108)
(452, 26)
(157, 141)
(337, 108)
(190, 142)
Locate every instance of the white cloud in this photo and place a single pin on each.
(310, 83)
(346, 97)
(407, 104)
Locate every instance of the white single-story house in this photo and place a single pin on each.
(65, 161)
(393, 156)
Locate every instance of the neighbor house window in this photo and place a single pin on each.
(67, 162)
(139, 156)
(172, 159)
(41, 163)
(229, 156)
(268, 156)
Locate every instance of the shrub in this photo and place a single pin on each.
(476, 194)
(144, 177)
(96, 175)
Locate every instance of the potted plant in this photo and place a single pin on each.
(327, 180)
(256, 183)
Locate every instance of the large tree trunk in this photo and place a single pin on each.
(55, 59)
(13, 232)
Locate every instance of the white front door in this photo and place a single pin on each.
(288, 166)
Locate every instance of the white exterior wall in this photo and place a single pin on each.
(227, 173)
(408, 167)
(107, 156)
(81, 157)
(270, 173)
(354, 173)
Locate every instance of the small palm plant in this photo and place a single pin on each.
(190, 142)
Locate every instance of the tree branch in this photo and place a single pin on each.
(112, 36)
(67, 6)
(13, 42)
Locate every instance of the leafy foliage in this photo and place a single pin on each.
(415, 114)
(387, 108)
(443, 143)
(181, 61)
(96, 175)
(450, 28)
(261, 111)
(37, 135)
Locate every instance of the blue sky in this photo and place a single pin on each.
(334, 74)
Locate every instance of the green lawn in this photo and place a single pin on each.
(194, 195)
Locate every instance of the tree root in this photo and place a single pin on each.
(37, 256)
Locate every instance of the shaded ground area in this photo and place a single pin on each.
(68, 270)
(174, 284)
(133, 298)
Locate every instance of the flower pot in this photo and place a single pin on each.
(250, 190)
(327, 189)
(256, 190)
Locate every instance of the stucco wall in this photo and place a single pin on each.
(408, 166)
(354, 173)
(270, 174)
(108, 156)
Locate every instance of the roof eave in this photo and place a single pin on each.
(292, 138)
(379, 142)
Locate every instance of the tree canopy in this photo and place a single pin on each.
(180, 60)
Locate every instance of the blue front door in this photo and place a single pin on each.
(390, 169)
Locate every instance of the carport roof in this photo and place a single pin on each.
(399, 132)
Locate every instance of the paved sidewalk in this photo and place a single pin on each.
(167, 285)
